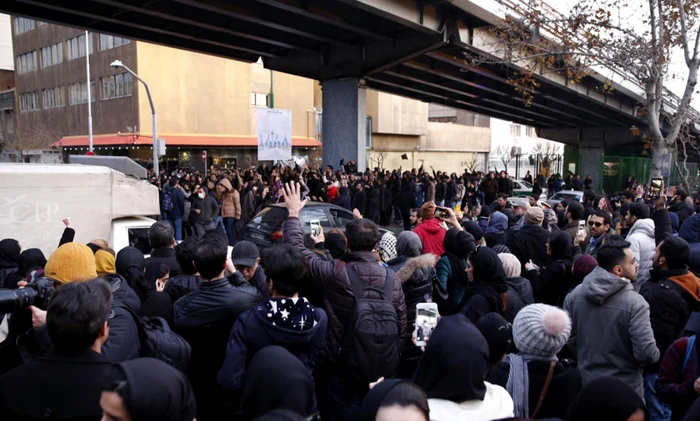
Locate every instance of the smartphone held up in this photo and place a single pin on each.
(426, 320)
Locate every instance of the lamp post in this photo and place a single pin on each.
(118, 63)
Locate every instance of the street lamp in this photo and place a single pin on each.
(117, 64)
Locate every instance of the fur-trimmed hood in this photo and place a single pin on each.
(425, 261)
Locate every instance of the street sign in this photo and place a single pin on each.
(90, 153)
(161, 146)
(204, 156)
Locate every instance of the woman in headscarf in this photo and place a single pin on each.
(539, 332)
(30, 260)
(551, 283)
(9, 263)
(519, 289)
(453, 375)
(607, 399)
(496, 231)
(582, 266)
(336, 243)
(395, 400)
(277, 380)
(386, 247)
(488, 289)
(131, 265)
(146, 389)
(415, 271)
(451, 269)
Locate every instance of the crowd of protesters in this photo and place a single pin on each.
(574, 311)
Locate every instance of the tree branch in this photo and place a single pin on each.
(684, 31)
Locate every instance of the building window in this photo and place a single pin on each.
(515, 130)
(53, 98)
(109, 41)
(29, 101)
(51, 55)
(77, 93)
(117, 86)
(75, 47)
(23, 25)
(259, 100)
(40, 23)
(529, 131)
(27, 62)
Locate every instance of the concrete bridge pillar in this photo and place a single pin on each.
(591, 158)
(344, 122)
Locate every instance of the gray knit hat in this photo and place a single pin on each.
(541, 330)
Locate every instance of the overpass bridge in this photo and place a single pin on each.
(413, 48)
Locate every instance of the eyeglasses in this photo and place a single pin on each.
(597, 224)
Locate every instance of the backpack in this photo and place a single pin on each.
(168, 201)
(159, 342)
(371, 345)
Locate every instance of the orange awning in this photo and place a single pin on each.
(175, 140)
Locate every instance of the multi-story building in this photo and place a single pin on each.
(202, 102)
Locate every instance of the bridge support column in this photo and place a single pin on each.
(591, 158)
(344, 123)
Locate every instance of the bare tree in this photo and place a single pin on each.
(504, 153)
(635, 38)
(547, 152)
(38, 134)
(378, 156)
(470, 164)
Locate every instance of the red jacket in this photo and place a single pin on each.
(432, 235)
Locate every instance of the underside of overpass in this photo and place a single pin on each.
(413, 48)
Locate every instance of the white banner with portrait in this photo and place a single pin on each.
(274, 134)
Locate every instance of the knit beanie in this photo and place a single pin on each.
(72, 262)
(534, 216)
(427, 211)
(474, 229)
(105, 262)
(541, 330)
(387, 247)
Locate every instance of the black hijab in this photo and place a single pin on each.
(336, 245)
(458, 245)
(127, 257)
(489, 277)
(280, 415)
(157, 391)
(374, 398)
(455, 363)
(276, 379)
(604, 399)
(30, 260)
(560, 243)
(9, 253)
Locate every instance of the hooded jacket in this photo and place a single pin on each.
(690, 232)
(673, 295)
(495, 233)
(611, 330)
(208, 208)
(643, 245)
(453, 375)
(292, 323)
(551, 283)
(529, 243)
(230, 201)
(483, 294)
(683, 209)
(123, 341)
(432, 235)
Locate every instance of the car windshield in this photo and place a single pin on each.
(525, 184)
(564, 195)
(272, 216)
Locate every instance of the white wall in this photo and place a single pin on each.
(7, 61)
(501, 135)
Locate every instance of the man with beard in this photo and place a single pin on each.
(673, 293)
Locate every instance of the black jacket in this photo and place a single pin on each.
(165, 255)
(181, 285)
(519, 296)
(158, 304)
(123, 341)
(551, 284)
(529, 242)
(683, 210)
(672, 296)
(204, 318)
(56, 386)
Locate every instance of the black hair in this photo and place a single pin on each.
(682, 193)
(362, 235)
(612, 253)
(639, 210)
(406, 394)
(117, 383)
(173, 181)
(76, 313)
(503, 196)
(185, 254)
(676, 251)
(589, 196)
(627, 194)
(210, 256)
(576, 210)
(161, 234)
(286, 266)
(602, 214)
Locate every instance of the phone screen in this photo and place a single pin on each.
(442, 213)
(315, 226)
(426, 320)
(655, 187)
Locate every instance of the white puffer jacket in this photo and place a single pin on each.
(643, 245)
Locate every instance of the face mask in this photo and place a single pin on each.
(201, 195)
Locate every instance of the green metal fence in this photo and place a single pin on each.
(616, 169)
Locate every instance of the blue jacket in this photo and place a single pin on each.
(258, 327)
(178, 203)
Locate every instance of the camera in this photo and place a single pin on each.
(37, 293)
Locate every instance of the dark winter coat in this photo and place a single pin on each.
(690, 232)
(529, 242)
(181, 285)
(205, 318)
(208, 207)
(344, 200)
(565, 385)
(178, 203)
(165, 255)
(683, 209)
(360, 201)
(332, 279)
(123, 341)
(56, 386)
(255, 329)
(519, 295)
(674, 385)
(672, 296)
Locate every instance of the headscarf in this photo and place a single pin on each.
(474, 229)
(498, 223)
(280, 415)
(583, 265)
(336, 244)
(130, 256)
(276, 379)
(30, 260)
(9, 253)
(489, 277)
(511, 265)
(455, 363)
(408, 244)
(604, 399)
(458, 245)
(157, 391)
(560, 243)
(374, 398)
(386, 247)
